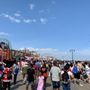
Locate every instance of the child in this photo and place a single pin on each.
(40, 82)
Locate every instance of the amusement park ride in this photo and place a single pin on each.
(8, 54)
(5, 49)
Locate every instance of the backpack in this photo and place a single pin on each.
(65, 78)
(16, 70)
(75, 70)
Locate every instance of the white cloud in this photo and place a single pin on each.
(47, 49)
(44, 11)
(84, 52)
(11, 18)
(40, 49)
(31, 6)
(63, 55)
(29, 48)
(3, 34)
(29, 20)
(43, 20)
(17, 15)
(18, 18)
(34, 20)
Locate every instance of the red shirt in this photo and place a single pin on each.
(5, 77)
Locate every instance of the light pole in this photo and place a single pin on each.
(72, 54)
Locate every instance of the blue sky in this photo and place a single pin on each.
(49, 26)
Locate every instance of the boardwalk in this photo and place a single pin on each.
(21, 86)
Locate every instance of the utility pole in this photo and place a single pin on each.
(72, 55)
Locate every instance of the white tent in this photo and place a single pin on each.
(28, 58)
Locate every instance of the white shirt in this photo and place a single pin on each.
(87, 68)
(55, 71)
(70, 73)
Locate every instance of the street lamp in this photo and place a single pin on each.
(72, 52)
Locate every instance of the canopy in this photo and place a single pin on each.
(28, 58)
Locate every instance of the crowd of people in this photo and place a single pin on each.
(36, 72)
(6, 74)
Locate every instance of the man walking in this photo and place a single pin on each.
(55, 76)
(30, 76)
(15, 71)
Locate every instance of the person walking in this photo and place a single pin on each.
(1, 75)
(65, 79)
(40, 82)
(7, 77)
(55, 76)
(45, 74)
(30, 77)
(15, 72)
